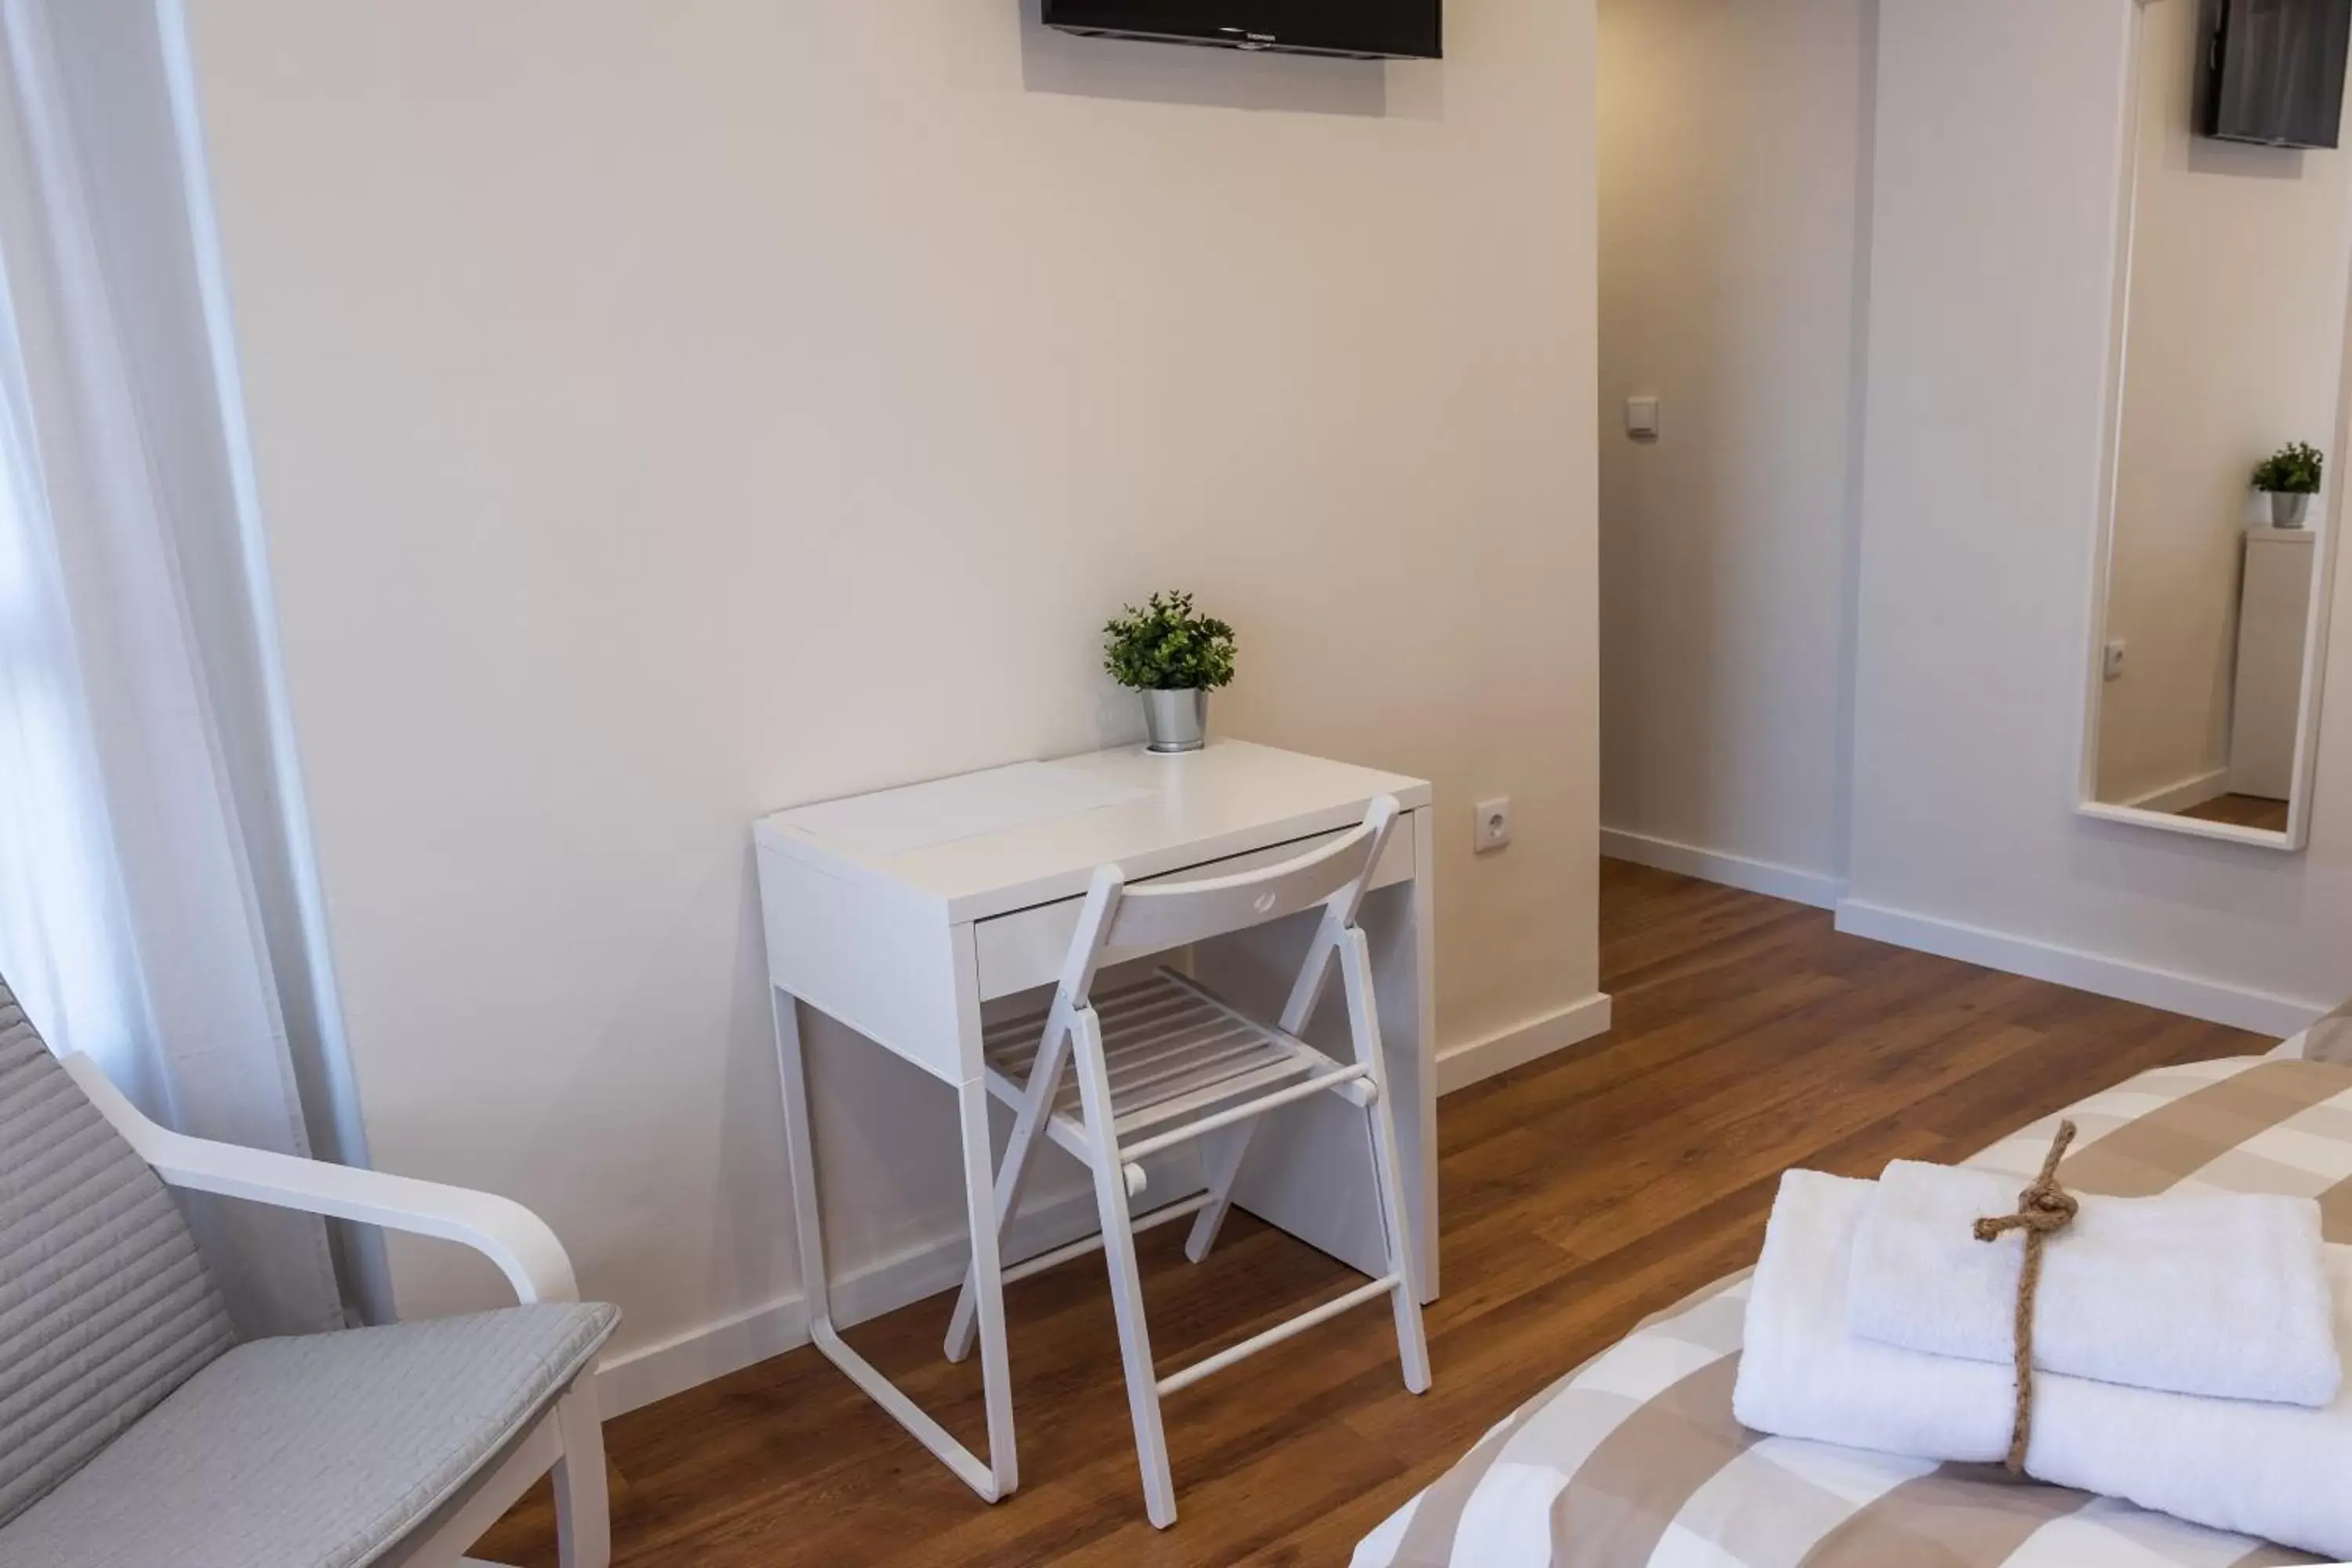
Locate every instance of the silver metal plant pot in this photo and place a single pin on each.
(1176, 721)
(2287, 510)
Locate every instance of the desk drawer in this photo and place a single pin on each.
(1025, 949)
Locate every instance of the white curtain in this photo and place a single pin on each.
(133, 871)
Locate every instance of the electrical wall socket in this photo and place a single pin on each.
(1493, 826)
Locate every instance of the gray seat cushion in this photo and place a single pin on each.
(104, 1306)
(319, 1451)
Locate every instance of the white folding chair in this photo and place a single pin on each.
(1165, 1060)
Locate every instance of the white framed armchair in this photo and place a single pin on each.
(136, 1431)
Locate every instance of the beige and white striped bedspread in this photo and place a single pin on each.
(1634, 1458)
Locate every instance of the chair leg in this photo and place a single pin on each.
(1412, 1344)
(1126, 1280)
(1224, 1169)
(584, 1520)
(980, 1211)
(1012, 1175)
(1364, 1024)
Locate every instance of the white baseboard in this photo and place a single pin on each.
(1458, 1066)
(640, 1376)
(2259, 1011)
(2188, 793)
(635, 1379)
(1764, 877)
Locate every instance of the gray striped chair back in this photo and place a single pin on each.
(105, 1307)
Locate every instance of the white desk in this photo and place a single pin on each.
(904, 913)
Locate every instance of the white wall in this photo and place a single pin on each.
(2238, 262)
(666, 414)
(1990, 141)
(2000, 134)
(1732, 159)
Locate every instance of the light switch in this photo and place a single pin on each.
(1642, 419)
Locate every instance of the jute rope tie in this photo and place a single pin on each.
(2043, 1210)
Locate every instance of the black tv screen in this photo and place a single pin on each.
(2278, 71)
(1391, 28)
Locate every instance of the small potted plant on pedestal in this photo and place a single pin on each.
(2290, 476)
(1174, 659)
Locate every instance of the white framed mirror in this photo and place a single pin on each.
(2208, 625)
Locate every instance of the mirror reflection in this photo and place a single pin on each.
(2232, 358)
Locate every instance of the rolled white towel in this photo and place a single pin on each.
(2216, 1293)
(2270, 1470)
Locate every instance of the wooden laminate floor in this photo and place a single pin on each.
(2242, 811)
(1579, 1195)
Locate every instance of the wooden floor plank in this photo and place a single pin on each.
(1580, 1193)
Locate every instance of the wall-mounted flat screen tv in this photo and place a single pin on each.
(2278, 71)
(1409, 29)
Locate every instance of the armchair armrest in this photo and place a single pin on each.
(526, 1251)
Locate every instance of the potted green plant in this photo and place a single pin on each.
(2290, 476)
(1174, 659)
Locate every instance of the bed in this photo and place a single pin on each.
(1634, 1458)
